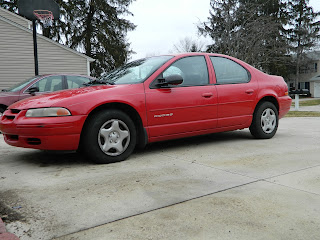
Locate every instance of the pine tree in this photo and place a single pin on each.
(11, 5)
(251, 30)
(304, 31)
(265, 36)
(221, 26)
(100, 31)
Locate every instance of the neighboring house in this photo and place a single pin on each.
(309, 75)
(16, 52)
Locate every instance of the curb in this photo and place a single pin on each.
(4, 235)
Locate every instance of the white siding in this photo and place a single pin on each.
(15, 18)
(17, 60)
(16, 55)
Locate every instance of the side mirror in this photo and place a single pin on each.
(170, 80)
(33, 90)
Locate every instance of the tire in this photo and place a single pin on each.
(109, 136)
(265, 121)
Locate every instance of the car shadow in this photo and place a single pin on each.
(197, 141)
(72, 158)
(54, 158)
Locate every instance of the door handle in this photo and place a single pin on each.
(207, 95)
(250, 91)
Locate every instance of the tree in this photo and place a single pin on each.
(95, 27)
(11, 5)
(250, 30)
(221, 26)
(304, 31)
(188, 45)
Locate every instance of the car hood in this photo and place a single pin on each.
(53, 99)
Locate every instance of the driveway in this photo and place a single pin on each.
(219, 186)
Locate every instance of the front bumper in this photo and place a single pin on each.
(47, 133)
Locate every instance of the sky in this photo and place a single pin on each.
(162, 24)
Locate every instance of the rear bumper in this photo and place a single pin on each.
(49, 133)
(284, 105)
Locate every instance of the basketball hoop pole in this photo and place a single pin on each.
(35, 48)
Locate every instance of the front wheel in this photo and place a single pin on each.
(265, 121)
(109, 136)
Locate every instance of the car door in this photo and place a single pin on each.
(188, 107)
(236, 92)
(46, 84)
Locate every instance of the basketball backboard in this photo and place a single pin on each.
(26, 8)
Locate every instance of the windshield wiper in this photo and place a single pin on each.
(4, 90)
(96, 81)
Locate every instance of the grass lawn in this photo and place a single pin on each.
(302, 114)
(313, 102)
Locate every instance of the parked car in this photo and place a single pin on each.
(149, 100)
(38, 85)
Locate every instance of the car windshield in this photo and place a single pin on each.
(134, 72)
(21, 85)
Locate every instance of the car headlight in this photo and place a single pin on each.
(48, 112)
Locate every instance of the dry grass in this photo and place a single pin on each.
(302, 114)
(313, 102)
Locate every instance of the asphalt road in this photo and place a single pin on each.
(220, 186)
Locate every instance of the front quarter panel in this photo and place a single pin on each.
(132, 95)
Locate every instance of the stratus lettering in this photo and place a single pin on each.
(164, 115)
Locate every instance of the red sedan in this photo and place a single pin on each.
(149, 100)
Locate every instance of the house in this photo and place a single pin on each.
(17, 57)
(309, 74)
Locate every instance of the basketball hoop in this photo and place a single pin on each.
(45, 16)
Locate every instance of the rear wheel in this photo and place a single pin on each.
(265, 121)
(109, 136)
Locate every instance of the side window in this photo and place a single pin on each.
(76, 81)
(228, 71)
(193, 70)
(49, 84)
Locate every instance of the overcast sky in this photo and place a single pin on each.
(161, 24)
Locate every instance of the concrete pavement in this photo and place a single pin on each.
(220, 186)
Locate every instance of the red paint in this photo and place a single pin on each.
(166, 113)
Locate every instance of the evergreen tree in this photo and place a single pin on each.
(221, 26)
(251, 30)
(98, 29)
(11, 5)
(304, 31)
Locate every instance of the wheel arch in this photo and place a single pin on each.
(142, 137)
(271, 99)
